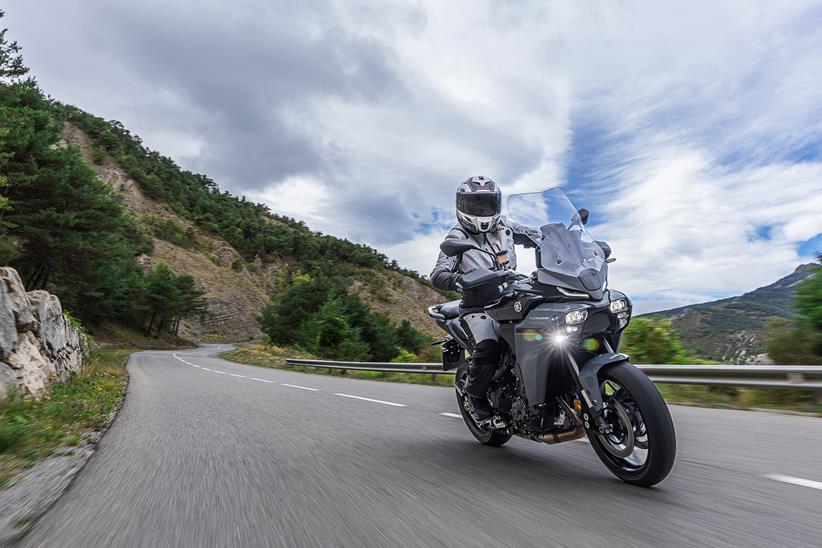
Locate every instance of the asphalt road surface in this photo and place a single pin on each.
(211, 453)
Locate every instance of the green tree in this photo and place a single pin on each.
(800, 341)
(11, 61)
(809, 299)
(285, 313)
(655, 341)
(165, 298)
(11, 69)
(409, 338)
(791, 343)
(62, 228)
(8, 245)
(334, 336)
(375, 330)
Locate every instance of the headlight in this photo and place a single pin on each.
(576, 316)
(622, 317)
(618, 306)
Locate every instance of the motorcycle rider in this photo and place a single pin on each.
(479, 205)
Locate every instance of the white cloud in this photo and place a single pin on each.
(684, 126)
(684, 230)
(302, 198)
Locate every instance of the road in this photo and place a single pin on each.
(207, 452)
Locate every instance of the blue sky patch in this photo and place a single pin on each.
(811, 247)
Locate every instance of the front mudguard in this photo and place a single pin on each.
(589, 376)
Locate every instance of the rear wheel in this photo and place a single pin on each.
(484, 435)
(641, 447)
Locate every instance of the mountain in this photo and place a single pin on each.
(733, 330)
(237, 282)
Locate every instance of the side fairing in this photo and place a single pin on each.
(536, 353)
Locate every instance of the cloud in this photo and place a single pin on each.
(684, 230)
(690, 129)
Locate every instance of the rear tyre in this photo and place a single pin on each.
(492, 438)
(642, 447)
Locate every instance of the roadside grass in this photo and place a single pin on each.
(32, 430)
(801, 401)
(112, 335)
(263, 355)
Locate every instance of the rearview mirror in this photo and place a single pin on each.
(452, 247)
(583, 215)
(605, 248)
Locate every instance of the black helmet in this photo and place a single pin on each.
(479, 203)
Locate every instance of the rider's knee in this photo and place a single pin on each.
(487, 351)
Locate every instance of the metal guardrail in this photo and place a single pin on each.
(801, 377)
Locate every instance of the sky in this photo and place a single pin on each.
(691, 130)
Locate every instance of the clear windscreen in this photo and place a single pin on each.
(565, 246)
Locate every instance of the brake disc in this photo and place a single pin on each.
(624, 447)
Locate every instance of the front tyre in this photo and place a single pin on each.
(484, 435)
(641, 447)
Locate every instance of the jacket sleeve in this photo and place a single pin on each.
(446, 272)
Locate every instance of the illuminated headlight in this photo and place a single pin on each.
(618, 305)
(576, 316)
(571, 329)
(559, 339)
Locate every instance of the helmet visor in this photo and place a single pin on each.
(481, 204)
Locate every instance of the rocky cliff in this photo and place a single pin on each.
(38, 345)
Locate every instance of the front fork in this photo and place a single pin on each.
(587, 380)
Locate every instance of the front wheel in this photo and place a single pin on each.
(641, 447)
(484, 435)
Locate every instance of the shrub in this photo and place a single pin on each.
(98, 155)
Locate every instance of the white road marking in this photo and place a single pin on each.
(236, 375)
(261, 380)
(795, 481)
(195, 365)
(584, 440)
(221, 372)
(205, 369)
(302, 387)
(369, 399)
(451, 415)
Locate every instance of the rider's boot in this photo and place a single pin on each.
(485, 360)
(481, 408)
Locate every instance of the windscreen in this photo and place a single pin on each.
(565, 246)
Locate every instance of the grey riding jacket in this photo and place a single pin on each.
(448, 270)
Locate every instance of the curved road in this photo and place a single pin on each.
(212, 453)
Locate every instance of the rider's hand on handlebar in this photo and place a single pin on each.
(516, 276)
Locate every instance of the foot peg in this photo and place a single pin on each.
(494, 423)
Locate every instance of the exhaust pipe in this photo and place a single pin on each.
(560, 437)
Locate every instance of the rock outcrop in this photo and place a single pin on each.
(38, 345)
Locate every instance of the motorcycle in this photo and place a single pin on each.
(561, 376)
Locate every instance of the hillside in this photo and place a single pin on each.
(237, 287)
(732, 330)
(129, 239)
